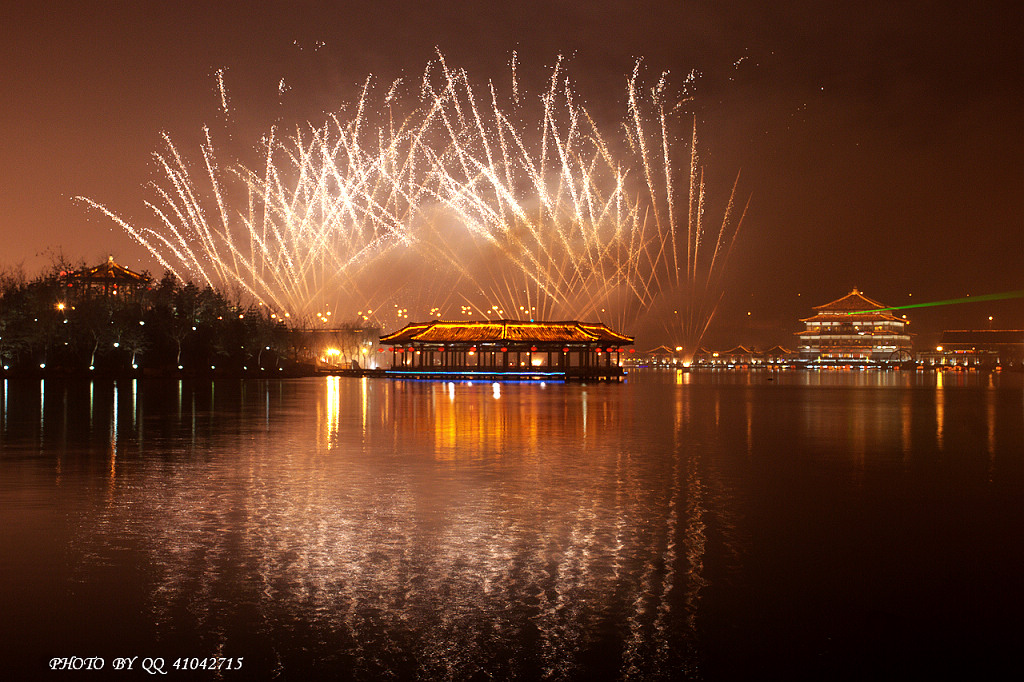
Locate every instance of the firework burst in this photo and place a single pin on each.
(467, 199)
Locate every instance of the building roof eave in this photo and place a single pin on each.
(506, 331)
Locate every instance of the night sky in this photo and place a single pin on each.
(880, 142)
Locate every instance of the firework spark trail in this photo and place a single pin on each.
(572, 241)
(323, 209)
(223, 93)
(696, 289)
(541, 215)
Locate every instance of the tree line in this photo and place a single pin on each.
(54, 324)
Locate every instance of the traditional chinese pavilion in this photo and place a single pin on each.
(506, 349)
(854, 329)
(108, 279)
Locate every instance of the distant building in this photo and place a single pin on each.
(778, 355)
(107, 279)
(705, 357)
(662, 355)
(854, 330)
(741, 356)
(977, 347)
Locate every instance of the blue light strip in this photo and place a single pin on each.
(490, 374)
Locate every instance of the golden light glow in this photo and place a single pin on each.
(333, 408)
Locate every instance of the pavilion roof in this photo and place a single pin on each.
(853, 301)
(833, 316)
(112, 272)
(439, 331)
(862, 332)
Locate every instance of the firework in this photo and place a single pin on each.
(298, 233)
(563, 223)
(465, 199)
(682, 281)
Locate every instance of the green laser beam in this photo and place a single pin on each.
(951, 301)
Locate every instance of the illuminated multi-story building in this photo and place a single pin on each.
(854, 330)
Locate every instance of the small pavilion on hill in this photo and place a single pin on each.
(854, 329)
(107, 279)
(506, 348)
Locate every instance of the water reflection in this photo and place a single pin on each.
(990, 432)
(113, 438)
(333, 407)
(940, 410)
(42, 411)
(438, 543)
(456, 531)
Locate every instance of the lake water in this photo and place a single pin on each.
(718, 525)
